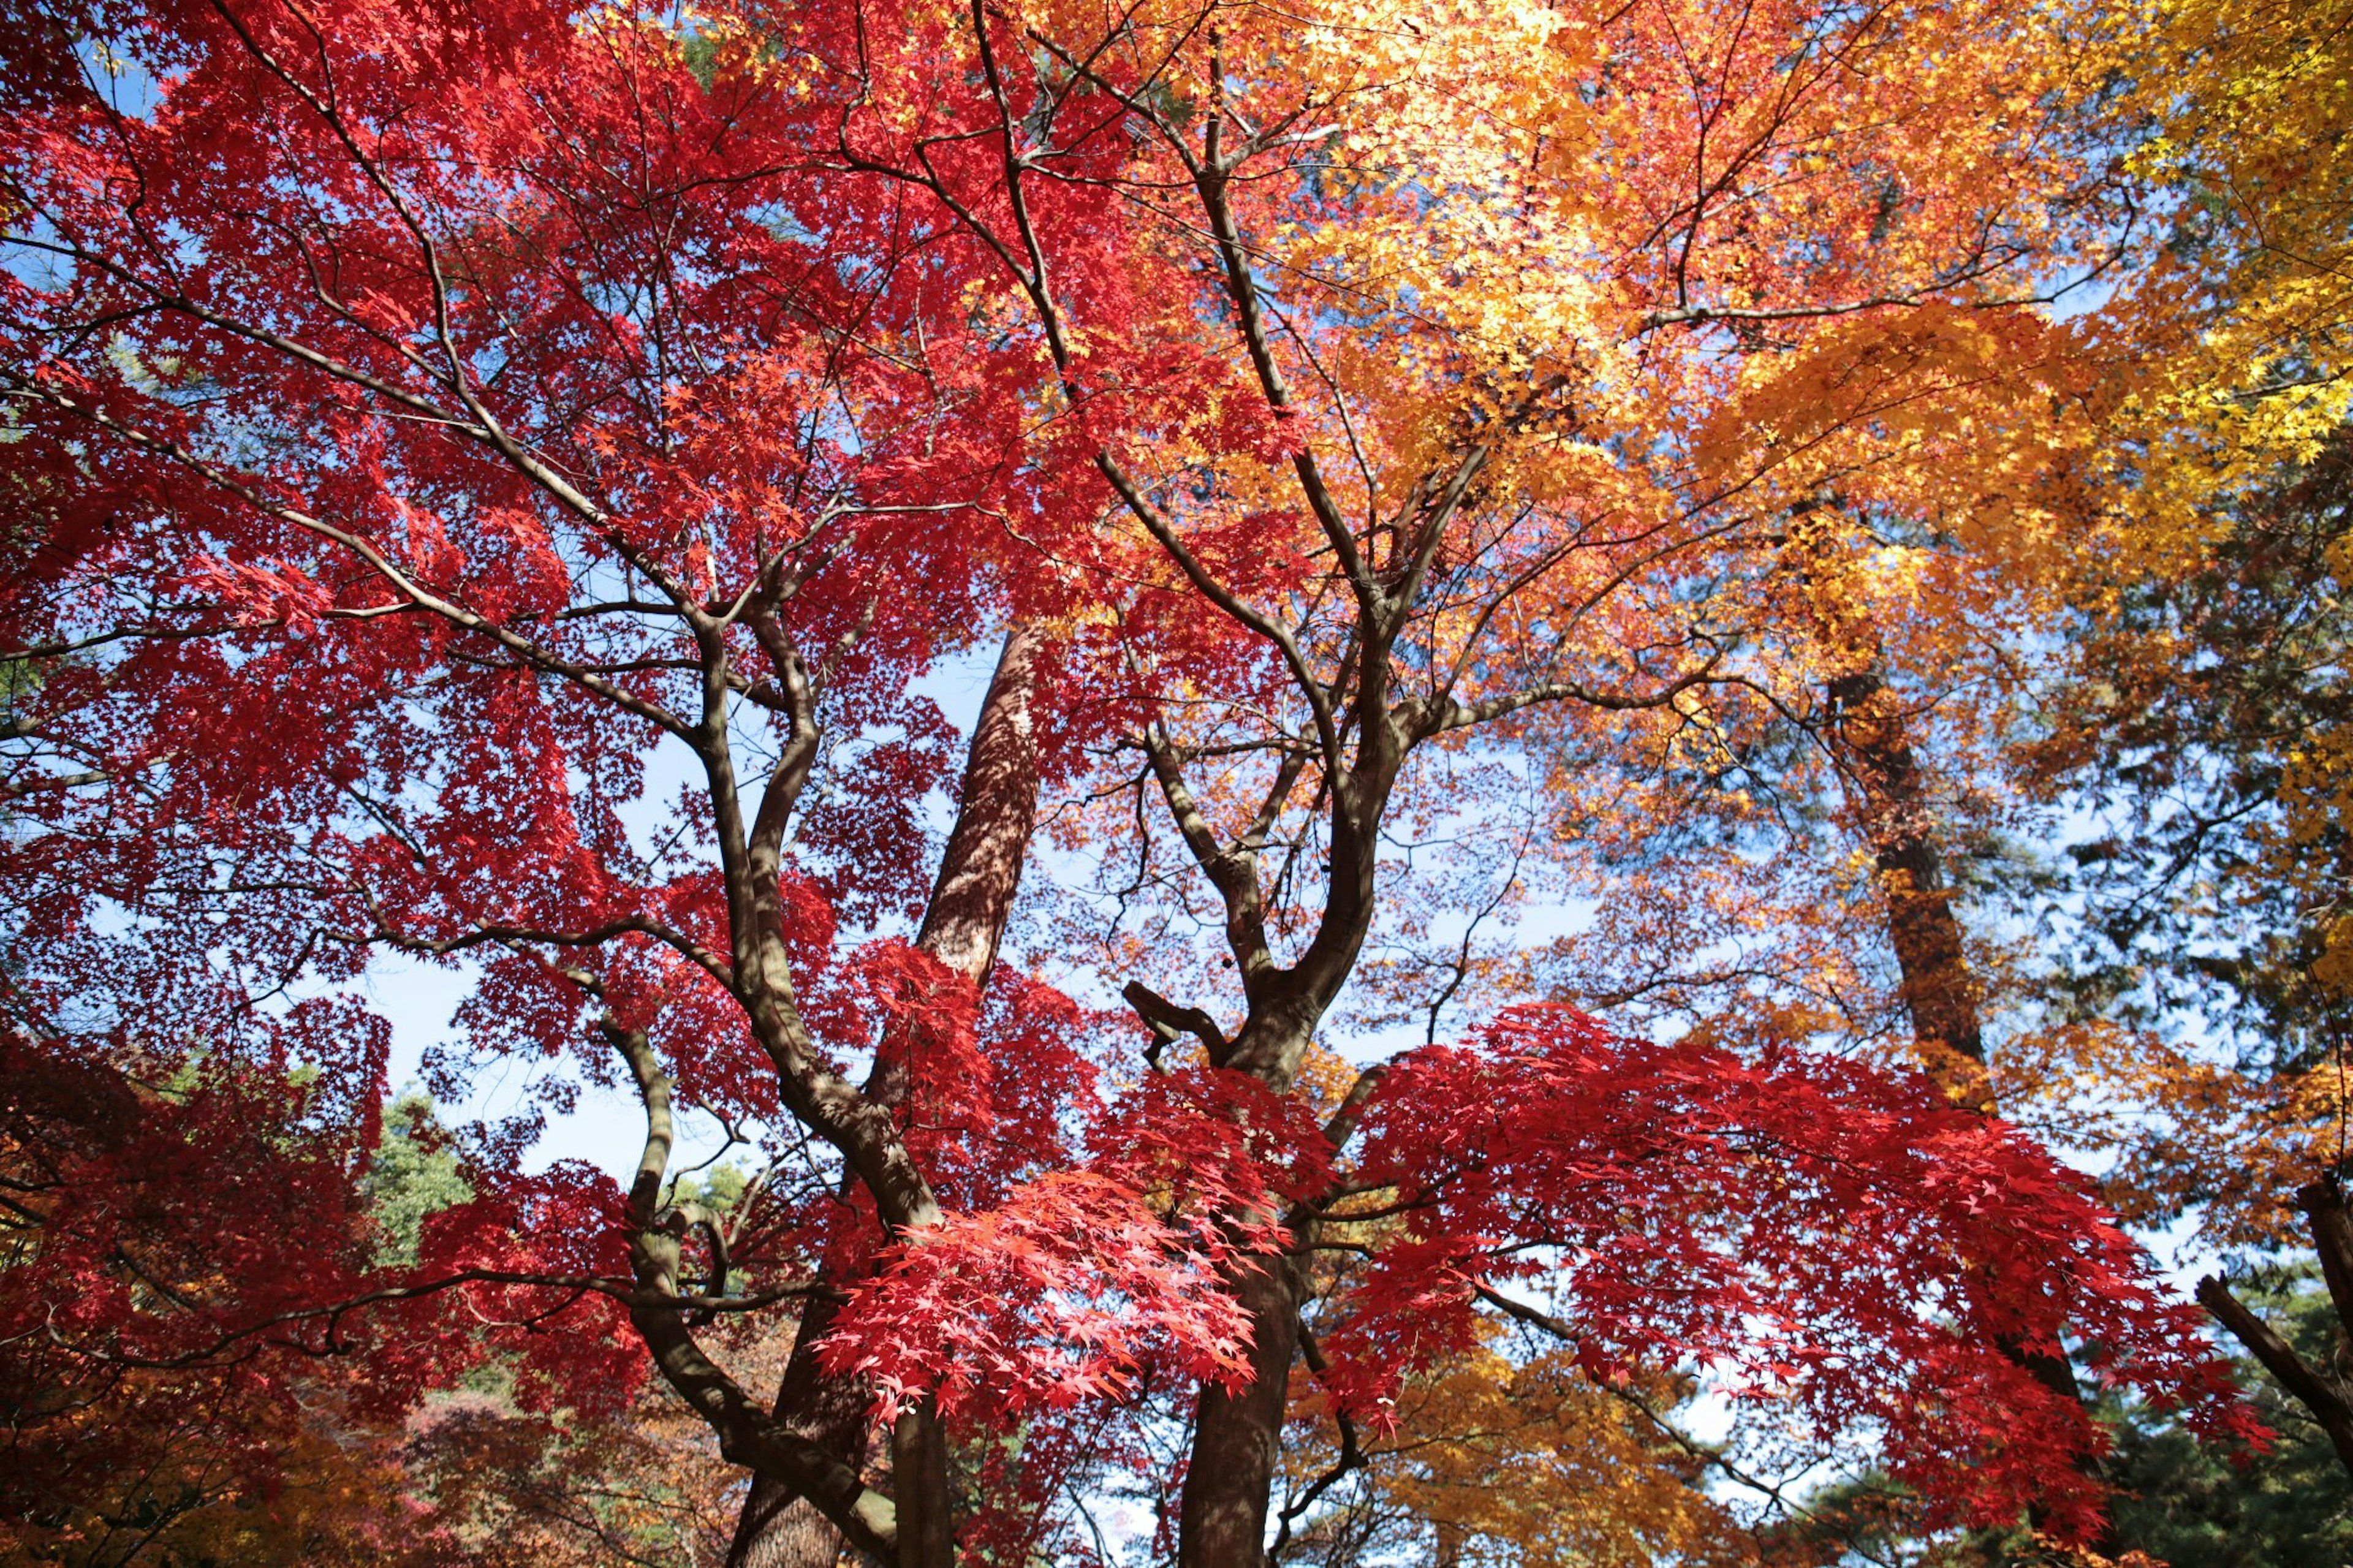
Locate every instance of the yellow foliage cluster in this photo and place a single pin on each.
(2250, 98)
(2189, 1134)
(1512, 1460)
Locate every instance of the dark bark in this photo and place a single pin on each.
(2323, 1202)
(747, 1436)
(2328, 1397)
(1238, 1436)
(1869, 738)
(1359, 730)
(1868, 735)
(919, 1469)
(980, 873)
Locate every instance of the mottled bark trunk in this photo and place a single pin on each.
(980, 873)
(1941, 995)
(1868, 735)
(1238, 1434)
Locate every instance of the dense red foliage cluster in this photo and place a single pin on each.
(1823, 1231)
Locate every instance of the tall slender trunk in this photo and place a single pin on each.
(919, 1470)
(1869, 737)
(980, 872)
(1941, 993)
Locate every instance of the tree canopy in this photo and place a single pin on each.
(1538, 563)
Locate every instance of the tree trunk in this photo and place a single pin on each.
(919, 1470)
(779, 1528)
(981, 869)
(1941, 995)
(980, 872)
(1868, 736)
(1238, 1436)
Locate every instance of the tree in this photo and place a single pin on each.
(980, 870)
(613, 313)
(2178, 1501)
(448, 420)
(127, 1434)
(1943, 353)
(2199, 711)
(1498, 1456)
(2178, 1504)
(2212, 891)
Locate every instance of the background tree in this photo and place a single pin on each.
(130, 1431)
(2196, 712)
(2288, 1506)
